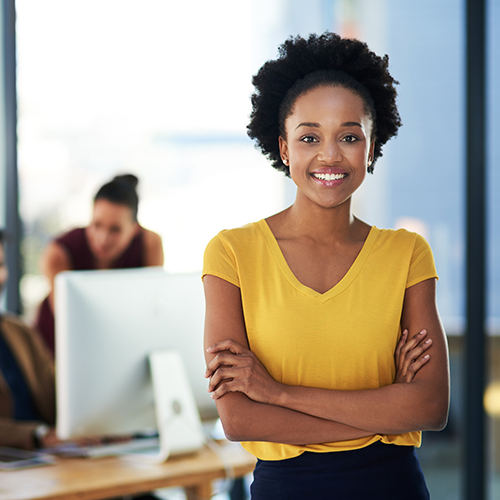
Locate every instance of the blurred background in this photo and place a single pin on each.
(161, 89)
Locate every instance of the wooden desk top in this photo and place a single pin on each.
(98, 478)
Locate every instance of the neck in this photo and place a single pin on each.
(103, 263)
(324, 224)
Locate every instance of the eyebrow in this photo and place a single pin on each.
(351, 124)
(308, 124)
(317, 125)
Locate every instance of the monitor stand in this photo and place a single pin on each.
(180, 429)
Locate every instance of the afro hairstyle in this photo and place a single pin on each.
(305, 64)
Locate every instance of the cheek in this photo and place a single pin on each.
(294, 172)
(92, 235)
(117, 239)
(122, 238)
(96, 231)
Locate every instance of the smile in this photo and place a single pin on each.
(329, 177)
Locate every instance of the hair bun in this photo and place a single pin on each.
(128, 178)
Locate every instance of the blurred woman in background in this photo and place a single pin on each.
(113, 240)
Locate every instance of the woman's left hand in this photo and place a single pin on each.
(410, 355)
(237, 369)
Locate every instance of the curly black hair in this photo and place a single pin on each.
(303, 65)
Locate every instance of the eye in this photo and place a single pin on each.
(350, 138)
(308, 139)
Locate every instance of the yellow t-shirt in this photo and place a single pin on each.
(343, 339)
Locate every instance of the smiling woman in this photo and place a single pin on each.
(333, 151)
(325, 350)
(113, 240)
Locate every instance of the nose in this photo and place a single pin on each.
(107, 238)
(102, 237)
(329, 152)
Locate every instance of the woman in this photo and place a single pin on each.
(113, 240)
(304, 310)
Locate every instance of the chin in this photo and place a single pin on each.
(104, 254)
(329, 204)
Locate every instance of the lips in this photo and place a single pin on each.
(328, 177)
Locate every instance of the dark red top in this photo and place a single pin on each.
(81, 257)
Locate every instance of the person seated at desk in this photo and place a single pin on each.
(27, 385)
(113, 240)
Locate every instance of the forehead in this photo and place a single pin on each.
(107, 211)
(330, 99)
(329, 105)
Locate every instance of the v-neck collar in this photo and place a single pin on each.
(347, 279)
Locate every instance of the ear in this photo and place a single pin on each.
(283, 151)
(371, 152)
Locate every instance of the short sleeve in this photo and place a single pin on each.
(219, 261)
(422, 266)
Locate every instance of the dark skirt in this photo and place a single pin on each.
(377, 472)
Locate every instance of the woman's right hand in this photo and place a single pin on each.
(409, 356)
(237, 369)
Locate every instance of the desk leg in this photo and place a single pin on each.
(199, 492)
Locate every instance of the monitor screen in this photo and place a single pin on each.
(107, 324)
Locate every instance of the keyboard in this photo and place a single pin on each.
(142, 445)
(134, 446)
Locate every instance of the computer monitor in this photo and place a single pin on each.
(107, 323)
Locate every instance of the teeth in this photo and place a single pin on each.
(329, 177)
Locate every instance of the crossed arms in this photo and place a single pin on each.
(254, 407)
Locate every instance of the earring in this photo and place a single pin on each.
(285, 161)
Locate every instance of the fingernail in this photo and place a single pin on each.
(426, 356)
(429, 341)
(212, 395)
(405, 332)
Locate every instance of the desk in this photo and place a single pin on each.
(99, 478)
